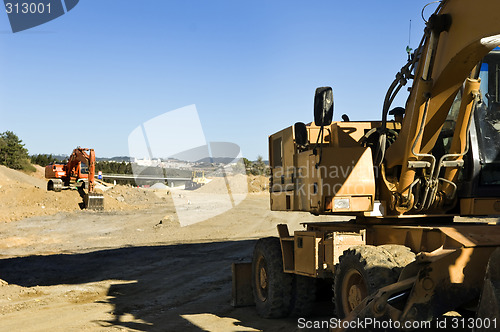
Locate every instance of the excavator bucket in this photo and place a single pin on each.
(489, 305)
(94, 201)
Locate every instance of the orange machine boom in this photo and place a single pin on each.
(61, 176)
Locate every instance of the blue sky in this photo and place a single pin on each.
(91, 76)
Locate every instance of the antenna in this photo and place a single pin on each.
(409, 34)
(408, 48)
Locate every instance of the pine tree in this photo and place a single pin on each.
(260, 166)
(13, 154)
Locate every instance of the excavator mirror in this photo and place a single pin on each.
(323, 106)
(300, 130)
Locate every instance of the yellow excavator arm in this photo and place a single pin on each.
(457, 37)
(402, 259)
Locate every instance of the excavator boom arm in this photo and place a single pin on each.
(80, 155)
(60, 174)
(457, 37)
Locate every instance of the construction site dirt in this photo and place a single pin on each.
(131, 267)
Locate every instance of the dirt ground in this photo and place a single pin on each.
(25, 195)
(131, 267)
(138, 265)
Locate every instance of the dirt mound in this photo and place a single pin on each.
(23, 195)
(39, 173)
(258, 183)
(9, 176)
(133, 197)
(239, 184)
(215, 186)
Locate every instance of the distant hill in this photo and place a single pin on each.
(60, 157)
(116, 159)
(222, 160)
(215, 160)
(119, 159)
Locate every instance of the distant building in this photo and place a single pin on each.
(147, 162)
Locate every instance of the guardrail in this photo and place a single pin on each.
(139, 177)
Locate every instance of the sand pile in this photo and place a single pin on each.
(10, 176)
(239, 184)
(23, 195)
(39, 173)
(134, 197)
(258, 183)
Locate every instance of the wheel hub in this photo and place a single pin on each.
(263, 278)
(262, 281)
(354, 290)
(354, 297)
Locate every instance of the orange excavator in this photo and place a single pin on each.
(78, 172)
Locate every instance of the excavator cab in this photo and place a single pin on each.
(481, 174)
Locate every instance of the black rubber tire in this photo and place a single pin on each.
(272, 288)
(400, 255)
(362, 270)
(303, 296)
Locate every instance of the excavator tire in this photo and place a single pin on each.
(272, 288)
(303, 296)
(362, 270)
(489, 304)
(400, 255)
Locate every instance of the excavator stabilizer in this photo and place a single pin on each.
(94, 201)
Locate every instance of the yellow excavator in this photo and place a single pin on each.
(197, 180)
(415, 186)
